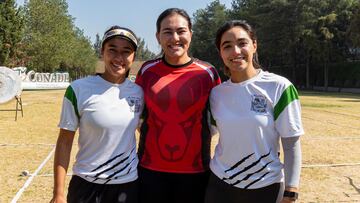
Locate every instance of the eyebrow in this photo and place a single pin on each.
(238, 40)
(169, 29)
(126, 47)
(224, 43)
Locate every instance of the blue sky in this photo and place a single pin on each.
(95, 16)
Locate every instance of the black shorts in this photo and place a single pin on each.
(161, 187)
(82, 191)
(219, 191)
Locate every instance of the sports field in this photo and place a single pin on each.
(331, 147)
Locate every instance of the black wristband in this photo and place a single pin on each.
(292, 195)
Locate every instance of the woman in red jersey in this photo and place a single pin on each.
(174, 148)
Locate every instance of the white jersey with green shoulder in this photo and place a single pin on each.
(251, 116)
(107, 116)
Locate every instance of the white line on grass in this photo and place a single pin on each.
(330, 138)
(332, 123)
(27, 183)
(330, 165)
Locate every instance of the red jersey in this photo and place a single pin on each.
(175, 135)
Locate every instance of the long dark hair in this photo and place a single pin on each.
(168, 12)
(171, 11)
(244, 25)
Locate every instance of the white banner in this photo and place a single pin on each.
(40, 81)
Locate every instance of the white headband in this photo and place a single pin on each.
(122, 33)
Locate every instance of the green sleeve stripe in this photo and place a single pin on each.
(289, 95)
(70, 95)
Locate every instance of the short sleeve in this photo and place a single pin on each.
(69, 118)
(287, 113)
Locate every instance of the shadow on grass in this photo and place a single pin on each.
(351, 100)
(320, 105)
(351, 182)
(353, 96)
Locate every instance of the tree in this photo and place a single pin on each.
(48, 29)
(143, 53)
(331, 25)
(97, 45)
(206, 23)
(298, 33)
(82, 57)
(296, 38)
(11, 32)
(277, 25)
(353, 31)
(53, 42)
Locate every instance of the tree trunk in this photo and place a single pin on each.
(307, 73)
(294, 74)
(326, 76)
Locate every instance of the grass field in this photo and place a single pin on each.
(331, 146)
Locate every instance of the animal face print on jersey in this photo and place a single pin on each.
(175, 113)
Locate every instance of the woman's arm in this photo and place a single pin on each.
(61, 163)
(292, 164)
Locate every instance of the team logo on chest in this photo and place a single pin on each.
(134, 103)
(258, 104)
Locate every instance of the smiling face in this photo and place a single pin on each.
(174, 37)
(118, 55)
(237, 50)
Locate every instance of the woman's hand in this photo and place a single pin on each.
(287, 200)
(58, 199)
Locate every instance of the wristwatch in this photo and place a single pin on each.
(292, 195)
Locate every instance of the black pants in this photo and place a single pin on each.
(219, 191)
(82, 191)
(163, 187)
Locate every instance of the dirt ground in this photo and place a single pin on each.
(331, 152)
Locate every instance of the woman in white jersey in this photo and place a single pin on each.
(106, 109)
(253, 110)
